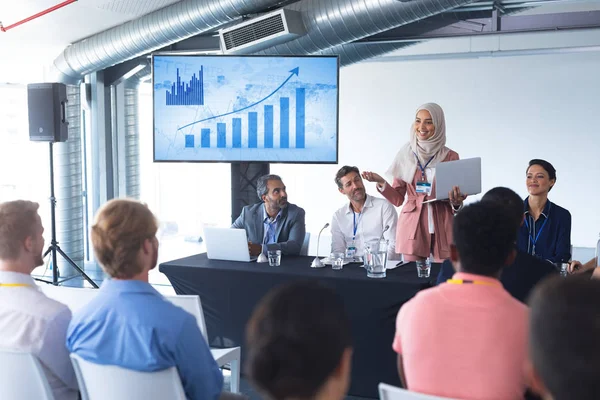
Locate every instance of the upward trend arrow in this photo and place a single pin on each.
(294, 71)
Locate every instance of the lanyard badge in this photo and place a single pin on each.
(535, 240)
(351, 249)
(423, 186)
(14, 285)
(421, 167)
(472, 282)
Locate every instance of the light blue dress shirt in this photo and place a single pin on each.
(270, 227)
(129, 324)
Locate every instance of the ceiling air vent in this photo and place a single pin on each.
(265, 31)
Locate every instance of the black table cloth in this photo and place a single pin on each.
(229, 291)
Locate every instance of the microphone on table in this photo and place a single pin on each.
(384, 231)
(316, 263)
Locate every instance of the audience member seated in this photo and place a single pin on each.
(467, 338)
(273, 222)
(363, 219)
(564, 330)
(547, 230)
(30, 321)
(129, 324)
(526, 271)
(299, 344)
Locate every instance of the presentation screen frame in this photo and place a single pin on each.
(333, 160)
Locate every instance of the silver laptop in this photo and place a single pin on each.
(465, 174)
(227, 244)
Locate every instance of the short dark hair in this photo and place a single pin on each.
(295, 339)
(509, 200)
(342, 172)
(563, 337)
(484, 235)
(546, 165)
(261, 184)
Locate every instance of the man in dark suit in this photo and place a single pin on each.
(272, 223)
(526, 271)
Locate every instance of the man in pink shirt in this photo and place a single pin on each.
(467, 338)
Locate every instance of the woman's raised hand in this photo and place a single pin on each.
(373, 177)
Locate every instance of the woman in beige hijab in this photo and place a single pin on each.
(422, 229)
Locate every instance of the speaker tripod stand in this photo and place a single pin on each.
(54, 248)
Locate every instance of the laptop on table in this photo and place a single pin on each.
(227, 244)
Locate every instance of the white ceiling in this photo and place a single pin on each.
(36, 43)
(29, 49)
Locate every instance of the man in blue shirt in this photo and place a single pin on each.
(129, 324)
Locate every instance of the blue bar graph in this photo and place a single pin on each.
(236, 124)
(187, 94)
(221, 138)
(300, 118)
(205, 138)
(252, 130)
(235, 140)
(189, 141)
(268, 127)
(284, 122)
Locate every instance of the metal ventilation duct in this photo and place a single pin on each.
(132, 134)
(333, 23)
(260, 33)
(359, 51)
(356, 52)
(251, 33)
(69, 191)
(132, 143)
(151, 32)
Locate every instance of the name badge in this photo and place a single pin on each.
(424, 187)
(350, 251)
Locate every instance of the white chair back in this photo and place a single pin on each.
(22, 377)
(191, 303)
(100, 382)
(231, 355)
(74, 298)
(389, 392)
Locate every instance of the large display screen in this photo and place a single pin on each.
(217, 108)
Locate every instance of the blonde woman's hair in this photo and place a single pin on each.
(118, 233)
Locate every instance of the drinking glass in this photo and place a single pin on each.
(423, 268)
(337, 260)
(274, 258)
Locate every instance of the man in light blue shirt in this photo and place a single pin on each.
(129, 324)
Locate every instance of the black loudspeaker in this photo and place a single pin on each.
(47, 104)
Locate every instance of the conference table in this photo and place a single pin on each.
(229, 291)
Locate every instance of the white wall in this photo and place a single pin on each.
(506, 110)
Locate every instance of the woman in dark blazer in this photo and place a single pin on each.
(546, 232)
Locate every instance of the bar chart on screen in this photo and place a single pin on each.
(246, 109)
(190, 93)
(251, 120)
